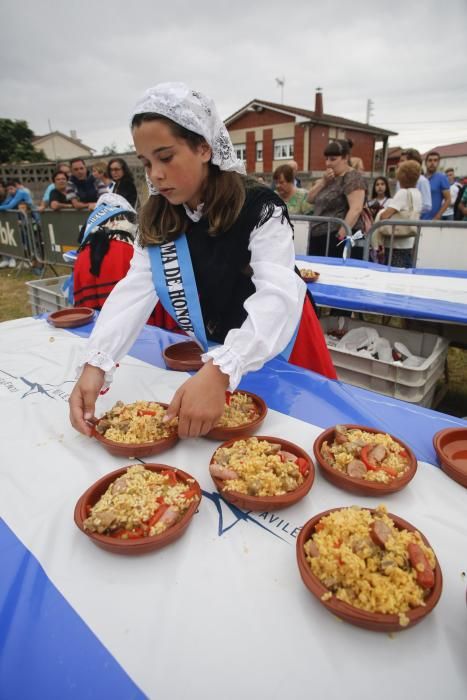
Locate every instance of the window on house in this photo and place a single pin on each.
(259, 151)
(283, 149)
(240, 150)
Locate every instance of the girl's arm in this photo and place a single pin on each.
(123, 315)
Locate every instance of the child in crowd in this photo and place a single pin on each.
(216, 248)
(379, 195)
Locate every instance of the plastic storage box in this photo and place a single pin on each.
(47, 295)
(416, 385)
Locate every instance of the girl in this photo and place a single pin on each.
(379, 195)
(217, 250)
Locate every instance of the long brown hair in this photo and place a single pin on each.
(223, 196)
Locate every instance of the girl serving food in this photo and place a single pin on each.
(217, 251)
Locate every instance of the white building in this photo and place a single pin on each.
(59, 146)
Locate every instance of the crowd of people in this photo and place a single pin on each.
(342, 193)
(73, 186)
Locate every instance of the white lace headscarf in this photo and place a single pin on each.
(195, 112)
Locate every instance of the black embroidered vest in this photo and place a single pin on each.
(221, 263)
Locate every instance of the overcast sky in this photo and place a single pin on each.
(83, 64)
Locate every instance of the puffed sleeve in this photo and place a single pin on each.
(274, 309)
(123, 315)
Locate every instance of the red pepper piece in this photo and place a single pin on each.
(303, 466)
(228, 396)
(157, 515)
(172, 479)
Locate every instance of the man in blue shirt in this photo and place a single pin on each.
(439, 186)
(15, 194)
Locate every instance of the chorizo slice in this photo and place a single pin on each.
(425, 574)
(380, 533)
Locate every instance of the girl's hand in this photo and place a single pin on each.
(329, 175)
(199, 402)
(83, 398)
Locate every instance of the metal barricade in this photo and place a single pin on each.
(418, 225)
(329, 220)
(60, 232)
(14, 238)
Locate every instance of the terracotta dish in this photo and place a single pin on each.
(378, 622)
(143, 449)
(141, 544)
(263, 503)
(357, 485)
(71, 318)
(183, 357)
(309, 275)
(451, 447)
(226, 433)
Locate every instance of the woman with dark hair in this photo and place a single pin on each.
(379, 195)
(120, 173)
(339, 193)
(216, 248)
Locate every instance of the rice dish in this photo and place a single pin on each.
(390, 574)
(141, 503)
(369, 456)
(258, 468)
(136, 423)
(239, 409)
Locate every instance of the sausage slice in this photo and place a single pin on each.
(380, 533)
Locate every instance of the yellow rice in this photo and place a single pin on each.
(359, 572)
(131, 500)
(130, 425)
(241, 410)
(260, 472)
(342, 456)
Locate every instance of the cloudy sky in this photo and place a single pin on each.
(82, 65)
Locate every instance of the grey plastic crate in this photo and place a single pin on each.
(415, 385)
(47, 295)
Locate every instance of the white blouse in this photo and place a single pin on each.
(274, 309)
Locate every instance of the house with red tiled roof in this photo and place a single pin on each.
(266, 134)
(59, 146)
(453, 155)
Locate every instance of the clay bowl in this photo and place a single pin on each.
(141, 544)
(183, 357)
(451, 447)
(223, 433)
(71, 318)
(377, 622)
(361, 486)
(309, 275)
(265, 503)
(143, 449)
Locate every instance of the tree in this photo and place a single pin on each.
(16, 142)
(110, 150)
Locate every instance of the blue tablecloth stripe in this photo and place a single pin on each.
(46, 650)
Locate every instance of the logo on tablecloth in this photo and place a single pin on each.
(16, 384)
(270, 522)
